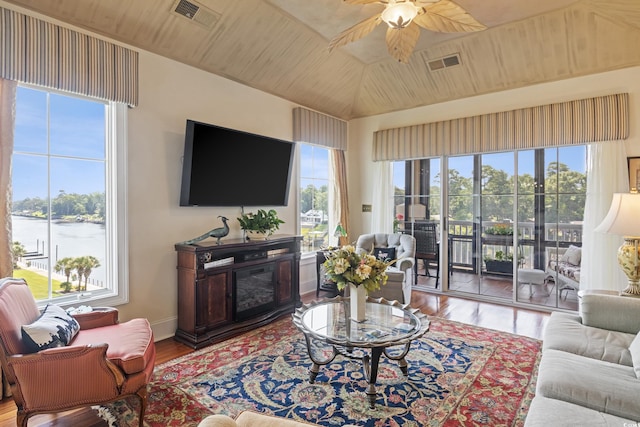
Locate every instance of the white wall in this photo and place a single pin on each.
(360, 166)
(170, 93)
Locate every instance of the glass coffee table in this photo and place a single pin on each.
(387, 324)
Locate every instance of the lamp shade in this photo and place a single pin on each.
(623, 217)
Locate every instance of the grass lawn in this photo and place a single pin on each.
(37, 282)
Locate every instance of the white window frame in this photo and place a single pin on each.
(330, 197)
(116, 225)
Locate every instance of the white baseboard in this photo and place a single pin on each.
(164, 329)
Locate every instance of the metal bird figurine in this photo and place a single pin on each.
(219, 233)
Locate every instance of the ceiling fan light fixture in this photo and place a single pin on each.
(399, 14)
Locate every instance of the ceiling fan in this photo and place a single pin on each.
(404, 18)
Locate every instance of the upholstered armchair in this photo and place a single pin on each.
(400, 275)
(55, 362)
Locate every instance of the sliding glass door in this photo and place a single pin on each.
(480, 211)
(551, 199)
(510, 217)
(417, 202)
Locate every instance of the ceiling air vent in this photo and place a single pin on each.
(446, 62)
(196, 12)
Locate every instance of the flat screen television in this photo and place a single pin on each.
(226, 167)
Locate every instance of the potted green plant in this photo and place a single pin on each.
(261, 224)
(500, 262)
(499, 230)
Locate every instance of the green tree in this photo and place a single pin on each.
(65, 266)
(497, 194)
(322, 199)
(314, 198)
(90, 262)
(95, 204)
(64, 204)
(79, 265)
(570, 186)
(460, 196)
(17, 252)
(307, 196)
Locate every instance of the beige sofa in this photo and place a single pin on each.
(250, 419)
(589, 374)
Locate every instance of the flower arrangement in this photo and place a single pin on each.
(345, 265)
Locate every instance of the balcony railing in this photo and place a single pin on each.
(463, 242)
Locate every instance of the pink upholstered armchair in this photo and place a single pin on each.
(104, 360)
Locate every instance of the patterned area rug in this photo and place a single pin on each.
(459, 375)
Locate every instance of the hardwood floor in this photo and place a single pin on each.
(501, 287)
(519, 321)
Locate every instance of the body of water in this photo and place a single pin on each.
(68, 239)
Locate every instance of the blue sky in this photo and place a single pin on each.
(75, 139)
(314, 163)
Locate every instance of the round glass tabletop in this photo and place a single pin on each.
(386, 323)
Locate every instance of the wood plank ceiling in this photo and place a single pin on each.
(280, 46)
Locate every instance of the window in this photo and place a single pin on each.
(416, 193)
(314, 197)
(68, 223)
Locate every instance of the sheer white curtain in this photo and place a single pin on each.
(606, 174)
(382, 209)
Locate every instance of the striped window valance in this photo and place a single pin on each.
(38, 52)
(604, 118)
(320, 129)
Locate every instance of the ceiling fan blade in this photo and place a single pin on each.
(365, 1)
(447, 17)
(356, 32)
(401, 42)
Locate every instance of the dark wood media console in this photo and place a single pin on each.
(236, 286)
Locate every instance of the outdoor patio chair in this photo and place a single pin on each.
(427, 249)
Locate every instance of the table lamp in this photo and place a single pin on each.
(340, 233)
(624, 219)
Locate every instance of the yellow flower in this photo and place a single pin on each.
(341, 265)
(363, 271)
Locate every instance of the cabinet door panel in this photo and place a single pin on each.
(212, 307)
(284, 281)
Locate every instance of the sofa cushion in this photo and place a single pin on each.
(130, 343)
(602, 386)
(54, 328)
(611, 312)
(545, 412)
(384, 254)
(566, 332)
(218, 420)
(573, 255)
(250, 418)
(634, 349)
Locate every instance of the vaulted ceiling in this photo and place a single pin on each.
(280, 46)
